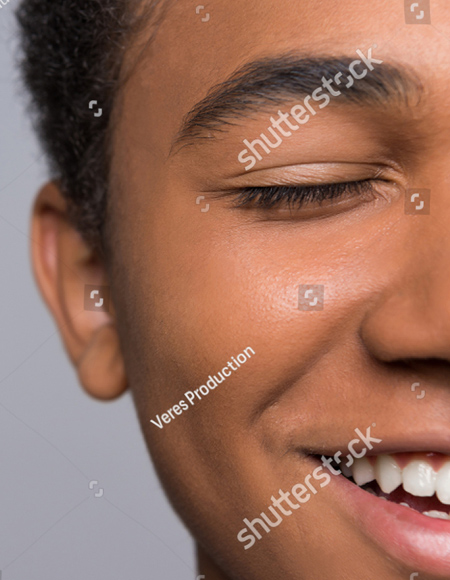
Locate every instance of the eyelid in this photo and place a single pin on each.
(297, 196)
(323, 173)
(312, 174)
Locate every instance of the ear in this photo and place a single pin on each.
(73, 281)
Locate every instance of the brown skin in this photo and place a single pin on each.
(192, 289)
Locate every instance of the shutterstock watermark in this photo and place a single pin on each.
(417, 201)
(213, 381)
(301, 113)
(302, 491)
(311, 297)
(417, 12)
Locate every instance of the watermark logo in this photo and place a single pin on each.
(417, 12)
(301, 113)
(414, 575)
(199, 199)
(3, 3)
(99, 112)
(417, 202)
(311, 297)
(93, 484)
(96, 298)
(199, 9)
(304, 491)
(414, 386)
(213, 381)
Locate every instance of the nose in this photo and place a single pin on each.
(410, 316)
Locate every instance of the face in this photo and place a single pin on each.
(335, 295)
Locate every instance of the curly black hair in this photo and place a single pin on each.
(72, 53)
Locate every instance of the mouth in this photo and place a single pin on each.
(418, 481)
(402, 501)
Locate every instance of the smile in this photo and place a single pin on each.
(415, 480)
(402, 502)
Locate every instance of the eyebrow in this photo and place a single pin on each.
(266, 82)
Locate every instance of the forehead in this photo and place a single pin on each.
(195, 49)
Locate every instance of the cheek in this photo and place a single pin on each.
(202, 293)
(208, 292)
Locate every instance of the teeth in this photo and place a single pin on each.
(405, 504)
(419, 479)
(388, 473)
(437, 514)
(443, 483)
(363, 472)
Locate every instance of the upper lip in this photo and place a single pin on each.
(419, 441)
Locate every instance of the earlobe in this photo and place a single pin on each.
(65, 266)
(100, 368)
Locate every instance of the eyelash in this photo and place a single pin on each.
(295, 197)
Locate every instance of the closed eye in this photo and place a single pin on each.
(298, 196)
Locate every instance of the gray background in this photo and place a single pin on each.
(54, 439)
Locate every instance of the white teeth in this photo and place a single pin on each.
(419, 478)
(405, 504)
(388, 473)
(443, 483)
(437, 514)
(363, 472)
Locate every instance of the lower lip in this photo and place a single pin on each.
(419, 542)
